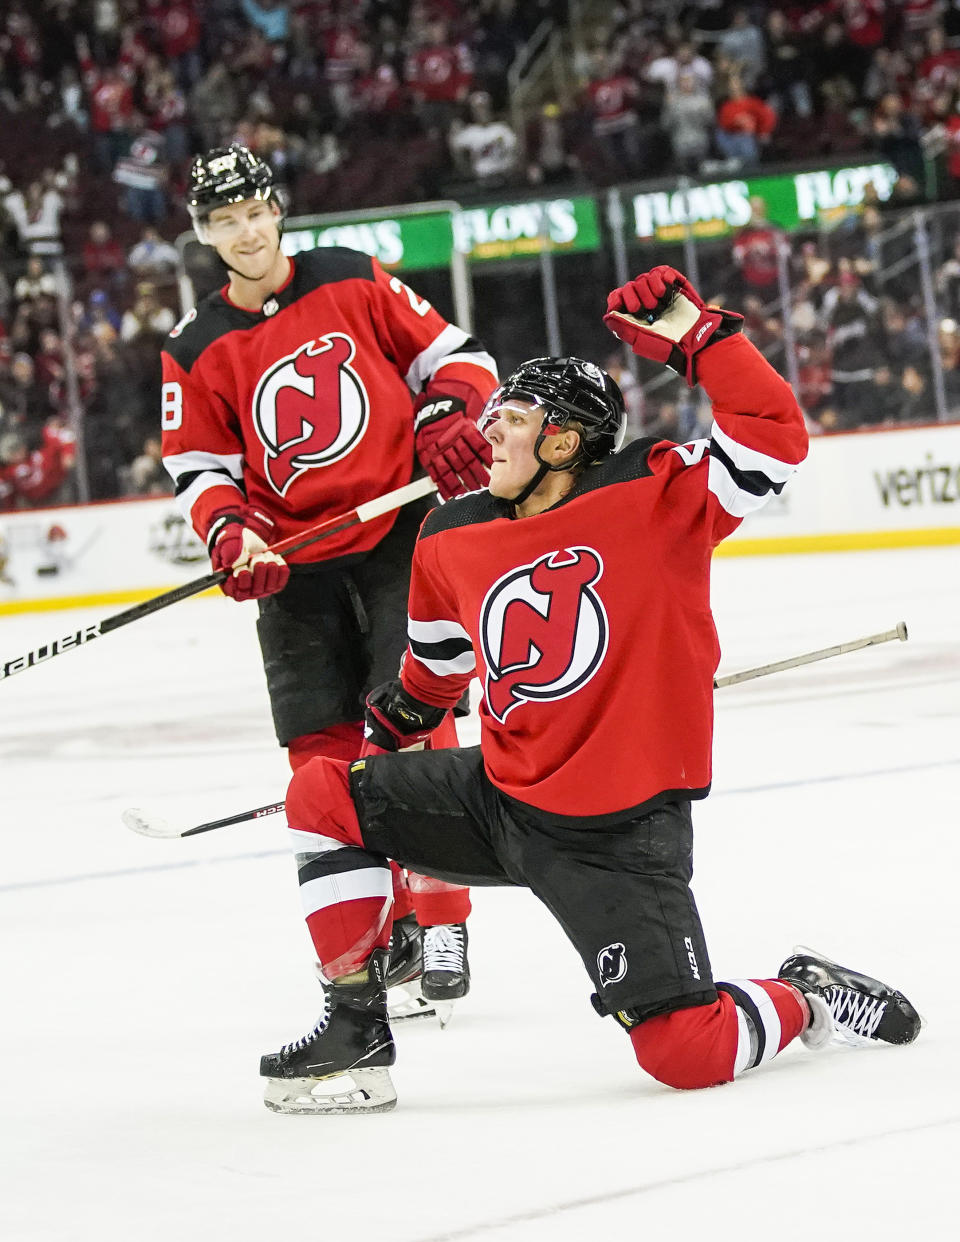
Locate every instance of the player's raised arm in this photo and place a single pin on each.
(758, 437)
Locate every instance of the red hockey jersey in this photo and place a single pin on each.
(589, 625)
(305, 409)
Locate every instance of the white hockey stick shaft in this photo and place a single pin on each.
(825, 653)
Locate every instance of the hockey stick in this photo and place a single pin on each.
(396, 499)
(899, 631)
(152, 826)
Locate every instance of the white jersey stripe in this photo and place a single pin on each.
(742, 1059)
(427, 361)
(211, 470)
(313, 842)
(734, 499)
(330, 890)
(747, 1040)
(751, 459)
(435, 631)
(177, 464)
(474, 359)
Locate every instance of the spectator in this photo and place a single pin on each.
(35, 213)
(439, 75)
(897, 135)
(755, 252)
(788, 68)
(610, 98)
(146, 474)
(110, 99)
(147, 316)
(144, 174)
(744, 44)
(104, 262)
(665, 69)
(856, 342)
(916, 404)
(101, 319)
(744, 126)
(154, 259)
(214, 104)
(36, 282)
(484, 150)
(688, 118)
(549, 157)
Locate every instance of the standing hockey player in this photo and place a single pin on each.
(577, 588)
(304, 387)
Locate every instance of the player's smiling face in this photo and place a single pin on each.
(512, 429)
(246, 236)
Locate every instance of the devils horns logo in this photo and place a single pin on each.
(543, 629)
(310, 409)
(612, 964)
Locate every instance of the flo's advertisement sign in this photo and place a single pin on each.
(517, 230)
(401, 243)
(491, 231)
(721, 207)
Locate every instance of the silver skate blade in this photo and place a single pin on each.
(356, 1091)
(405, 1001)
(444, 1011)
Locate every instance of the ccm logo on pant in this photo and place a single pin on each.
(48, 650)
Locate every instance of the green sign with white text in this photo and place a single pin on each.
(793, 201)
(491, 231)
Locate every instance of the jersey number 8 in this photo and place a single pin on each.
(171, 407)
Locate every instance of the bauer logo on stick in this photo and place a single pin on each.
(49, 650)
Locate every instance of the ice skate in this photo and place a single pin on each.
(341, 1066)
(446, 971)
(862, 1010)
(405, 998)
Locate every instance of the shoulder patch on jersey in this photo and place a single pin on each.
(198, 329)
(467, 510)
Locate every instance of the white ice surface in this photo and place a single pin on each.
(141, 979)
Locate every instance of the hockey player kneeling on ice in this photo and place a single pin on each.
(577, 589)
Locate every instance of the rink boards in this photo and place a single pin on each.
(884, 489)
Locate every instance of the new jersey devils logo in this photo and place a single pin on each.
(543, 630)
(310, 409)
(612, 963)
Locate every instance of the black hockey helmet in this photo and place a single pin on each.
(227, 175)
(569, 389)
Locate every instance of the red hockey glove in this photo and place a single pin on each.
(394, 720)
(449, 446)
(661, 316)
(238, 539)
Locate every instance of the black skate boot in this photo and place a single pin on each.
(446, 971)
(341, 1065)
(862, 1010)
(404, 971)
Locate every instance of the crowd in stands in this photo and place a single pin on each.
(362, 103)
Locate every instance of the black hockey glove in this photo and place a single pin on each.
(394, 719)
